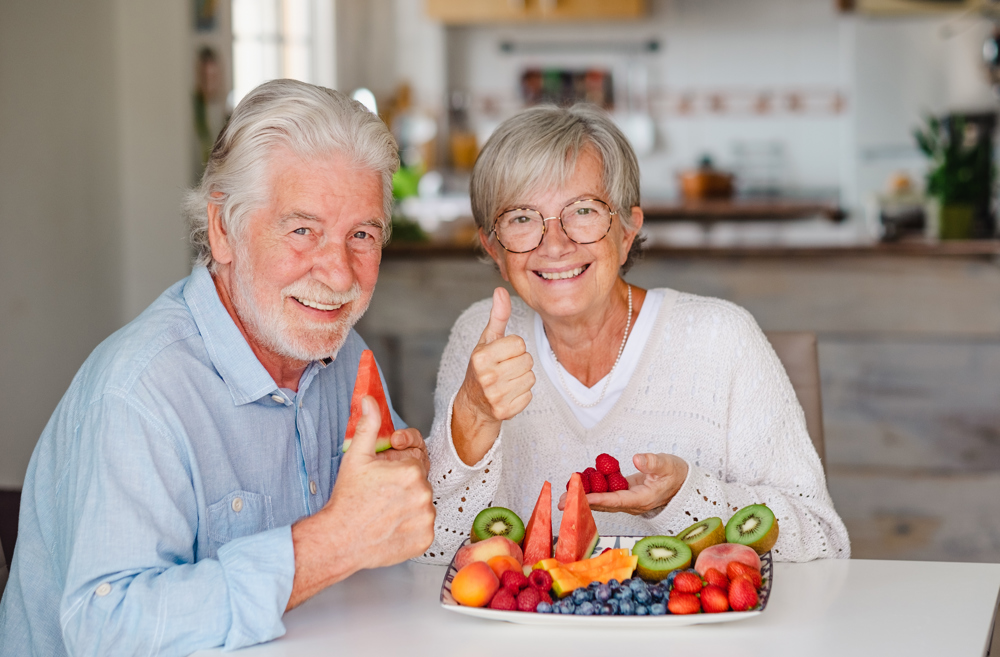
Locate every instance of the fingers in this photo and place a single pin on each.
(406, 438)
(366, 433)
(499, 314)
(655, 464)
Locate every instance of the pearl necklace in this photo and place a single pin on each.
(607, 382)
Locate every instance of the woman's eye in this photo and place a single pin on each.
(521, 219)
(583, 211)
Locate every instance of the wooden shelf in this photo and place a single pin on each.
(741, 210)
(462, 12)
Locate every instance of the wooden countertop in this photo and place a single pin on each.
(978, 249)
(741, 209)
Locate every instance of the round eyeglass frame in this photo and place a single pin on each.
(561, 224)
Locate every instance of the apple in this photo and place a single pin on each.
(485, 550)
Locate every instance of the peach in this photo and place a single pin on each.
(474, 585)
(485, 550)
(719, 556)
(502, 563)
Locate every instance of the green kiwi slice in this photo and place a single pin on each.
(754, 526)
(658, 555)
(703, 534)
(497, 521)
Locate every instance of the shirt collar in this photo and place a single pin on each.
(235, 361)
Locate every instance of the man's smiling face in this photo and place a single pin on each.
(304, 267)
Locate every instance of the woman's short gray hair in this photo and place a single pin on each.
(537, 149)
(311, 121)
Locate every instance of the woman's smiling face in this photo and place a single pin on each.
(562, 279)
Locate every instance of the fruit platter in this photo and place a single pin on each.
(711, 572)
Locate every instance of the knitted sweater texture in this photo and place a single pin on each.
(709, 389)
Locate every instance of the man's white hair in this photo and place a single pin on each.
(310, 121)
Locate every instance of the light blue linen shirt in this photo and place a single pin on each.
(157, 505)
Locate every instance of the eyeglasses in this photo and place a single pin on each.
(521, 230)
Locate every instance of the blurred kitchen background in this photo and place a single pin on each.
(828, 165)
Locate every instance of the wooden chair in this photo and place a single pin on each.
(797, 352)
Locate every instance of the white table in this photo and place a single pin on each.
(833, 607)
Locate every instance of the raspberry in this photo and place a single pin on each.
(742, 594)
(528, 599)
(739, 569)
(716, 578)
(513, 581)
(714, 599)
(688, 582)
(504, 601)
(617, 482)
(606, 464)
(539, 579)
(588, 471)
(546, 597)
(680, 603)
(598, 484)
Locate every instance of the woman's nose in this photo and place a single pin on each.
(554, 239)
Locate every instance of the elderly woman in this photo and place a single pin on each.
(684, 388)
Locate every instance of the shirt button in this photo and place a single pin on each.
(103, 589)
(312, 487)
(237, 504)
(278, 398)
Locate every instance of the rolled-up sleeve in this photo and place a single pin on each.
(135, 582)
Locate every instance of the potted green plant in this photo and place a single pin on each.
(960, 179)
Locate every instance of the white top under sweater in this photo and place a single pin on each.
(708, 389)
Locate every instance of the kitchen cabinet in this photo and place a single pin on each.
(458, 12)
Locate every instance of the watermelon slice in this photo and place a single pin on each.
(537, 542)
(369, 383)
(577, 531)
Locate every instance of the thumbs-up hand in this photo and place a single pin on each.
(497, 384)
(659, 478)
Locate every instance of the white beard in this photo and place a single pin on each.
(270, 326)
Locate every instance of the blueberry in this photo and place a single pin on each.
(602, 593)
(593, 585)
(657, 592)
(567, 607)
(627, 582)
(581, 595)
(626, 608)
(642, 597)
(586, 609)
(615, 605)
(641, 610)
(657, 609)
(544, 608)
(670, 578)
(623, 593)
(637, 585)
(613, 583)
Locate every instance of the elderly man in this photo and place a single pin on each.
(189, 487)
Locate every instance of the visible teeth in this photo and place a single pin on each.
(555, 276)
(317, 305)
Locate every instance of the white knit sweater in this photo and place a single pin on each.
(708, 389)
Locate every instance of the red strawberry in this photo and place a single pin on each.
(617, 482)
(742, 594)
(504, 601)
(528, 599)
(714, 599)
(598, 484)
(738, 569)
(539, 579)
(683, 603)
(688, 582)
(716, 578)
(606, 464)
(513, 581)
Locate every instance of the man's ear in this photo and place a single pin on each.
(494, 252)
(218, 238)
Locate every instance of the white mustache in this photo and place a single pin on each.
(315, 291)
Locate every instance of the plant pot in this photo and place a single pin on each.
(950, 221)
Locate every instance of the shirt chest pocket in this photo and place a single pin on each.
(239, 514)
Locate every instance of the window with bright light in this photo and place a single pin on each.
(282, 39)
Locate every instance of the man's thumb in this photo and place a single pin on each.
(499, 314)
(366, 433)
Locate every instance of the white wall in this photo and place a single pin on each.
(92, 163)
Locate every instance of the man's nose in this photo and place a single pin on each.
(332, 265)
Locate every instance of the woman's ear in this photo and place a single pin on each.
(218, 238)
(491, 248)
(629, 236)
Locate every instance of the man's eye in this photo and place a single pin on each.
(301, 231)
(361, 235)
